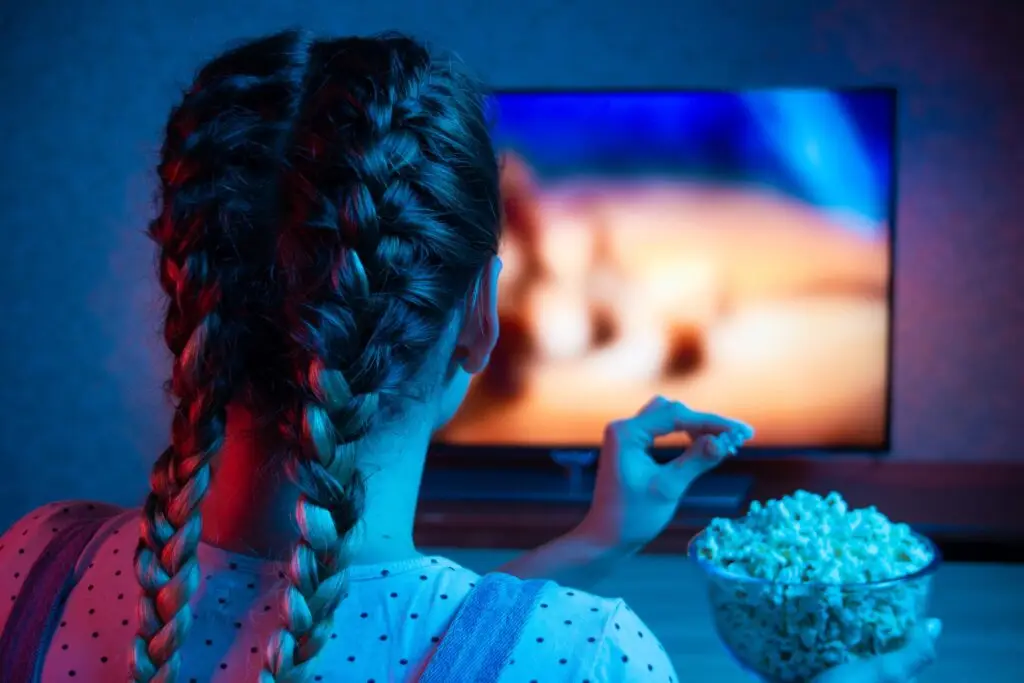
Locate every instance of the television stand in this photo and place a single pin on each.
(714, 494)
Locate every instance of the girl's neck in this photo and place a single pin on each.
(250, 506)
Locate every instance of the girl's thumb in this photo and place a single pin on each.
(702, 455)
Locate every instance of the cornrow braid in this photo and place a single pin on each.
(326, 207)
(222, 142)
(371, 287)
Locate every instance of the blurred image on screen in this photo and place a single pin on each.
(730, 250)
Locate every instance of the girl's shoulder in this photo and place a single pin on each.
(30, 535)
(25, 541)
(587, 637)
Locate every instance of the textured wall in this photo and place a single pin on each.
(85, 87)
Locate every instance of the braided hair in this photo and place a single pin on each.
(325, 207)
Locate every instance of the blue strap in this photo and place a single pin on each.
(484, 632)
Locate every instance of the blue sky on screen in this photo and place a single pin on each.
(831, 149)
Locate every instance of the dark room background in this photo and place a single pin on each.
(86, 86)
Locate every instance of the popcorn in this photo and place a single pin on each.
(798, 591)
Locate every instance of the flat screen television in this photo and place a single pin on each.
(732, 250)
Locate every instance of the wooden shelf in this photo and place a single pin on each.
(974, 511)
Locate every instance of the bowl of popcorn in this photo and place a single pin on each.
(803, 584)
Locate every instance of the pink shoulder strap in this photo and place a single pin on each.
(30, 626)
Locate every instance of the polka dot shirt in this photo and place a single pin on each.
(385, 631)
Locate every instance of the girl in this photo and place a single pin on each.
(328, 229)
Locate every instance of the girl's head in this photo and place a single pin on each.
(328, 230)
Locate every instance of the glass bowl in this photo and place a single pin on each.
(792, 632)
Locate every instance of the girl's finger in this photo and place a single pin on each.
(902, 665)
(918, 654)
(661, 417)
(706, 452)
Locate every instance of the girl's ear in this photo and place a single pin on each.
(480, 327)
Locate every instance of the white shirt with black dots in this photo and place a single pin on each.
(384, 630)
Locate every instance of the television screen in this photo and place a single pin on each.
(729, 250)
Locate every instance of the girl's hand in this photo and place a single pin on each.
(635, 497)
(901, 666)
